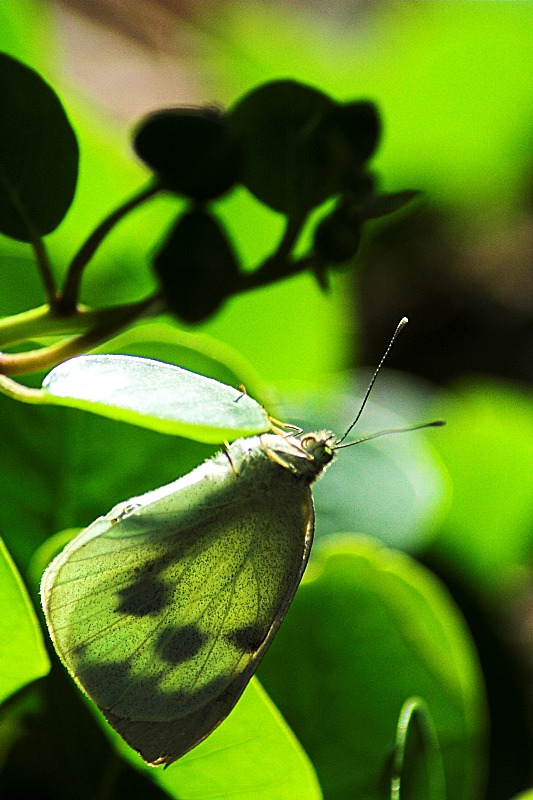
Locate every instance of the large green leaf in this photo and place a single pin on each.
(23, 656)
(155, 395)
(38, 154)
(367, 629)
(487, 447)
(252, 754)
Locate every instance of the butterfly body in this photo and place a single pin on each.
(163, 609)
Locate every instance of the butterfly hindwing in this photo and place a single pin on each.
(163, 609)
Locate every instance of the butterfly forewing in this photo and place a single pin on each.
(163, 609)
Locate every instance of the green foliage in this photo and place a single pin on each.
(368, 629)
(374, 667)
(22, 650)
(254, 729)
(488, 527)
(318, 150)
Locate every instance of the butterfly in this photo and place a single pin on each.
(162, 609)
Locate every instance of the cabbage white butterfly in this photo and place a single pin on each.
(162, 609)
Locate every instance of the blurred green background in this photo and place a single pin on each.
(454, 85)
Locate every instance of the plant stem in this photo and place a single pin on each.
(110, 321)
(272, 271)
(20, 392)
(69, 295)
(43, 321)
(26, 325)
(45, 269)
(292, 231)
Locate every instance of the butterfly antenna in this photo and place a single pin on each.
(401, 325)
(437, 423)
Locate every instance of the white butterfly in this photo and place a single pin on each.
(162, 610)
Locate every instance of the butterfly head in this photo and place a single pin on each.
(320, 447)
(305, 455)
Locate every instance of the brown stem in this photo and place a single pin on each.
(47, 357)
(68, 299)
(45, 270)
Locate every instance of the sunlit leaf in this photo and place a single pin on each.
(23, 656)
(233, 761)
(155, 395)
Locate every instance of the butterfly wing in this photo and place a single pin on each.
(163, 609)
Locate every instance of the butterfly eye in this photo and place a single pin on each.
(319, 449)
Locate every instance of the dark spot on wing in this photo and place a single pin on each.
(106, 681)
(247, 639)
(179, 702)
(146, 596)
(176, 645)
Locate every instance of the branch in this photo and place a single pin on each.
(112, 321)
(68, 299)
(45, 269)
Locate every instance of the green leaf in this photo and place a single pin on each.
(23, 655)
(353, 131)
(155, 395)
(197, 352)
(38, 154)
(190, 150)
(417, 762)
(196, 266)
(252, 754)
(368, 628)
(487, 447)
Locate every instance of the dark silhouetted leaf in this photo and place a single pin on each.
(196, 266)
(38, 154)
(190, 151)
(277, 125)
(384, 204)
(299, 146)
(353, 131)
(337, 237)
